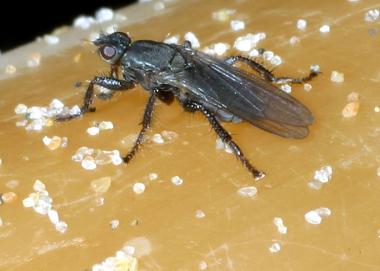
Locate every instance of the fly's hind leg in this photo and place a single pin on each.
(268, 75)
(192, 106)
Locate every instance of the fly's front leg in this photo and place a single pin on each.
(147, 119)
(224, 136)
(107, 82)
(268, 75)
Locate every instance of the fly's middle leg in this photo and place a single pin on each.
(192, 106)
(268, 75)
(147, 119)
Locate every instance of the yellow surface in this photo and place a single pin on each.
(236, 232)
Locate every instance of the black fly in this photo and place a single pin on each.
(200, 82)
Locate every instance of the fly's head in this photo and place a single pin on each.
(113, 46)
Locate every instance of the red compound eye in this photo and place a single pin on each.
(108, 52)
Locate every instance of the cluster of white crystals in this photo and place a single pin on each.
(91, 158)
(38, 117)
(372, 15)
(279, 223)
(122, 261)
(237, 25)
(275, 247)
(102, 15)
(55, 142)
(41, 202)
(176, 180)
(248, 42)
(321, 176)
(218, 49)
(101, 126)
(248, 191)
(324, 28)
(268, 56)
(315, 216)
(337, 77)
(223, 15)
(301, 24)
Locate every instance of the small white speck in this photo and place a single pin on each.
(286, 88)
(158, 139)
(61, 227)
(105, 125)
(323, 211)
(83, 22)
(337, 77)
(315, 68)
(199, 214)
(112, 28)
(218, 49)
(294, 40)
(313, 217)
(21, 109)
(372, 15)
(279, 223)
(314, 184)
(378, 172)
(203, 265)
(376, 109)
(56, 104)
(254, 53)
(176, 180)
(130, 250)
(53, 216)
(268, 55)
(153, 176)
(10, 69)
(248, 42)
(324, 174)
(378, 233)
(301, 24)
(88, 163)
(248, 191)
(324, 28)
(190, 36)
(307, 87)
(39, 186)
(34, 60)
(51, 39)
(103, 15)
(158, 6)
(114, 224)
(223, 15)
(275, 248)
(237, 25)
(93, 131)
(139, 188)
(276, 60)
(28, 202)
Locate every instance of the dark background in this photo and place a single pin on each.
(23, 22)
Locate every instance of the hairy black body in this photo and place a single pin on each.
(200, 83)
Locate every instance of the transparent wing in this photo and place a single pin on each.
(212, 82)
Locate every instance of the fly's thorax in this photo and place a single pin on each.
(153, 56)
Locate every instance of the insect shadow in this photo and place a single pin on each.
(200, 83)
